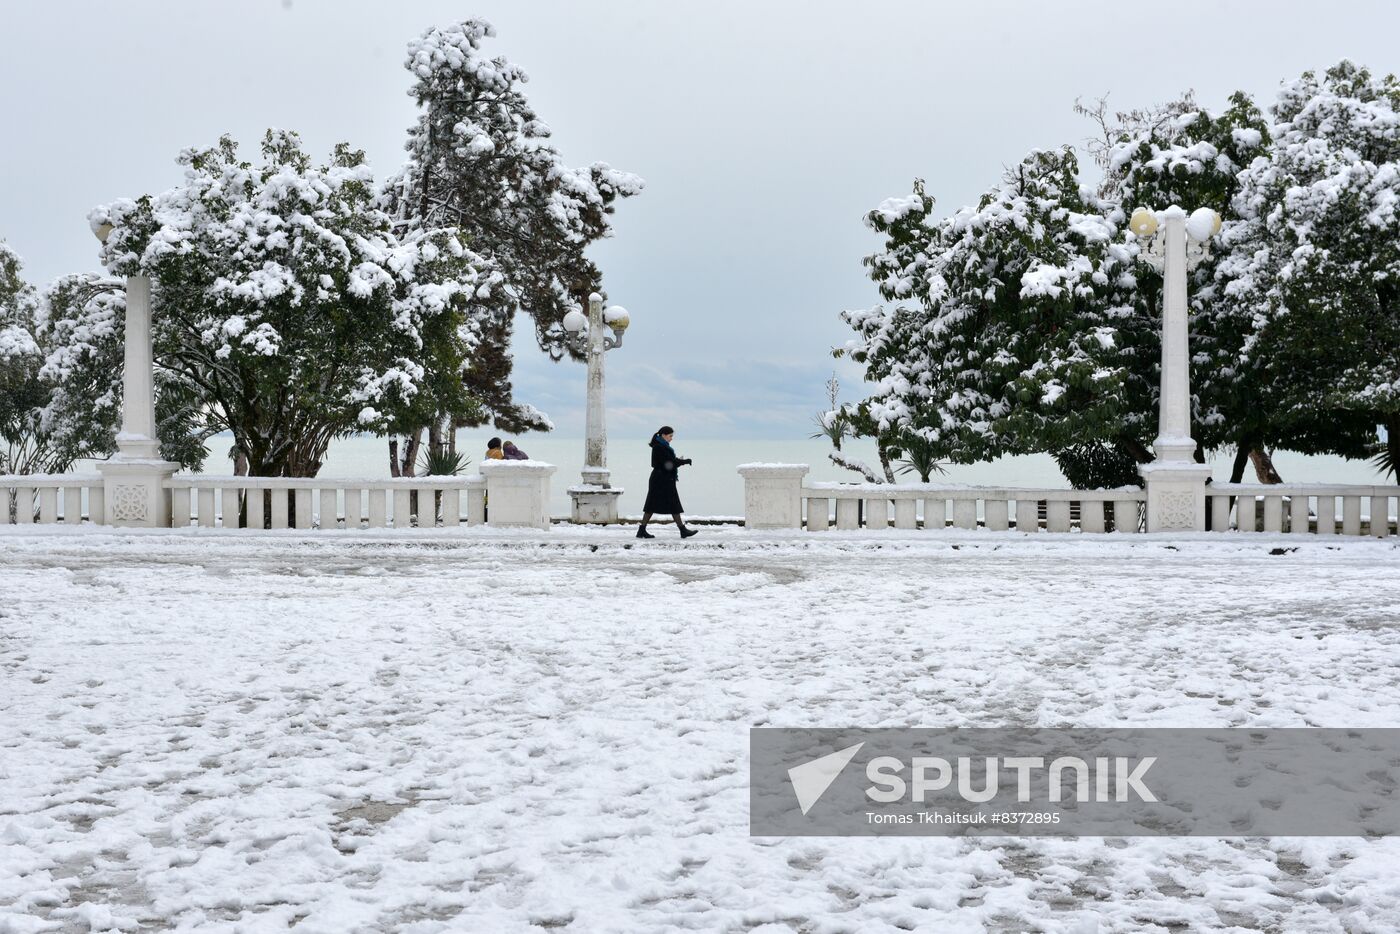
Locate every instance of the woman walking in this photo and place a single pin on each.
(661, 489)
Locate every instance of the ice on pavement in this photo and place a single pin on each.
(418, 733)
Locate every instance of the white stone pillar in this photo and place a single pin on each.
(595, 499)
(773, 495)
(134, 479)
(1174, 443)
(595, 442)
(517, 493)
(1176, 484)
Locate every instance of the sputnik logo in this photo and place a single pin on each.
(810, 780)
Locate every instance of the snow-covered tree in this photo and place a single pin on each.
(1313, 275)
(22, 394)
(1186, 155)
(60, 376)
(1031, 324)
(287, 303)
(1009, 334)
(481, 160)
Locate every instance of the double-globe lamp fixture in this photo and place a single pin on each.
(1172, 243)
(595, 499)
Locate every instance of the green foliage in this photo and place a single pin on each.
(1098, 465)
(61, 361)
(834, 424)
(441, 462)
(1313, 277)
(480, 160)
(918, 455)
(1010, 334)
(1031, 322)
(289, 310)
(1384, 460)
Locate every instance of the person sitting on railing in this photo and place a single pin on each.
(513, 453)
(493, 450)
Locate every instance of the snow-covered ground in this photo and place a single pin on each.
(494, 732)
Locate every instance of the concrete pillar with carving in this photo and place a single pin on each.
(133, 480)
(773, 495)
(1176, 484)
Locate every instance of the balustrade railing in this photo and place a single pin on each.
(1303, 508)
(51, 498)
(777, 496)
(326, 503)
(935, 506)
(514, 493)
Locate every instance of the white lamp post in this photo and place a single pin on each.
(595, 499)
(134, 478)
(1174, 244)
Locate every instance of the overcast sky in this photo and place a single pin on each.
(764, 131)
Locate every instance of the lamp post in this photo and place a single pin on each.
(134, 478)
(1174, 244)
(595, 499)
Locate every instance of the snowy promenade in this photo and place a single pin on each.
(498, 732)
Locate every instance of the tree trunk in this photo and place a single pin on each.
(435, 435)
(1135, 449)
(884, 459)
(1264, 466)
(410, 454)
(1241, 458)
(240, 463)
(394, 457)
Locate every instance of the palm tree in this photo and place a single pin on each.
(833, 424)
(920, 456)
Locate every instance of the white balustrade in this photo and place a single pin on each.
(778, 493)
(52, 498)
(1263, 507)
(305, 503)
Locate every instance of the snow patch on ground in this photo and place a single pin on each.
(524, 731)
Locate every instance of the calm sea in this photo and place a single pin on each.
(712, 487)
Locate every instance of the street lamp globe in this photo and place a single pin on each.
(575, 321)
(102, 232)
(1143, 223)
(1203, 224)
(617, 318)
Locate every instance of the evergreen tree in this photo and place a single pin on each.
(1031, 324)
(482, 161)
(61, 360)
(1010, 334)
(289, 306)
(22, 394)
(1313, 276)
(1185, 155)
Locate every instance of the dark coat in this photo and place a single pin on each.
(661, 489)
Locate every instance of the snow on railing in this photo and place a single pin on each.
(325, 502)
(775, 496)
(997, 508)
(50, 498)
(778, 496)
(1301, 508)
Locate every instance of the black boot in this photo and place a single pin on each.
(686, 533)
(643, 533)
